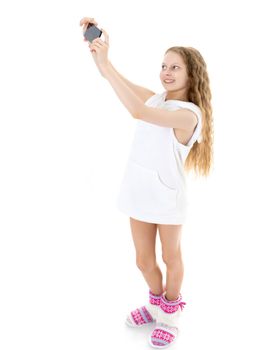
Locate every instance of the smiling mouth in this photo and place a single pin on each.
(168, 81)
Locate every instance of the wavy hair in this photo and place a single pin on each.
(200, 157)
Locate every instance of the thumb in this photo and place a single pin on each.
(106, 35)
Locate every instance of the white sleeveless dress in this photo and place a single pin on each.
(154, 186)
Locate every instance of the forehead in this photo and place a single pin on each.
(173, 57)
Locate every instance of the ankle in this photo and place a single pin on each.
(156, 293)
(171, 298)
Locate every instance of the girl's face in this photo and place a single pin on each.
(174, 69)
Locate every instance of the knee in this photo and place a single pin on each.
(145, 264)
(172, 260)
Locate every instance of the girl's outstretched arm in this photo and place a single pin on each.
(127, 96)
(183, 119)
(142, 92)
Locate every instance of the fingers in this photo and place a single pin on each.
(87, 20)
(98, 41)
(98, 45)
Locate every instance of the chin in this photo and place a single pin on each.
(169, 87)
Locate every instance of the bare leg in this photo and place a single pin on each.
(144, 238)
(154, 279)
(170, 236)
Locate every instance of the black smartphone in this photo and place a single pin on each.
(92, 32)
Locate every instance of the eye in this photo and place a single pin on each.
(173, 66)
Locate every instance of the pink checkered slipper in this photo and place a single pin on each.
(167, 323)
(163, 336)
(146, 314)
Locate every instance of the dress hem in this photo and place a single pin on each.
(149, 219)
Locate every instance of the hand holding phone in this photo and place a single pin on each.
(92, 32)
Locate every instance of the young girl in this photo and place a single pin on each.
(174, 133)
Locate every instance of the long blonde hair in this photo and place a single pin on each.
(200, 157)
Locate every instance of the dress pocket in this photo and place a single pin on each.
(147, 196)
(153, 176)
(163, 182)
(144, 192)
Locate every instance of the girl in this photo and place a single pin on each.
(174, 133)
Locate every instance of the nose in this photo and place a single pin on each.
(168, 76)
(167, 73)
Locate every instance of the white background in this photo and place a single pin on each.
(67, 261)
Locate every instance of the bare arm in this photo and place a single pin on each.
(184, 119)
(142, 92)
(127, 96)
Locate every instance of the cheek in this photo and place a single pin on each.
(182, 78)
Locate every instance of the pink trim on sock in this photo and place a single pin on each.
(171, 306)
(154, 299)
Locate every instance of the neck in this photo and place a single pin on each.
(177, 95)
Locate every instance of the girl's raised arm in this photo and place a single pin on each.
(142, 92)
